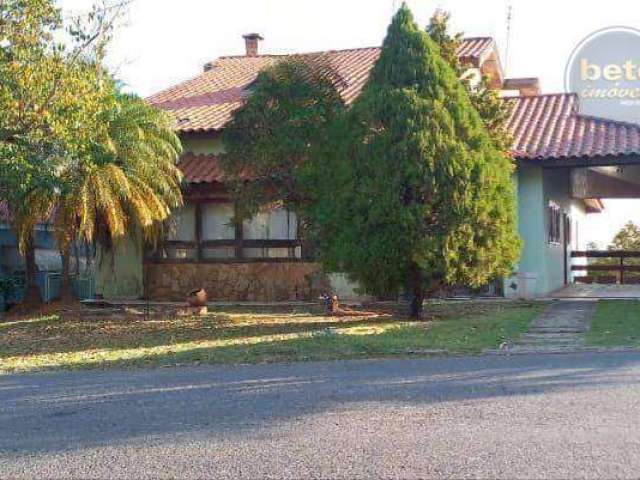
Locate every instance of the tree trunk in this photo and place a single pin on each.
(32, 297)
(417, 301)
(66, 294)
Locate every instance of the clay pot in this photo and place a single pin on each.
(197, 298)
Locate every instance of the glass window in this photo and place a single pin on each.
(217, 221)
(182, 225)
(274, 224)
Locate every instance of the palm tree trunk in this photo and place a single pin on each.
(66, 293)
(32, 295)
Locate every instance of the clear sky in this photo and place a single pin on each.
(166, 41)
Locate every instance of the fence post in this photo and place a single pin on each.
(622, 269)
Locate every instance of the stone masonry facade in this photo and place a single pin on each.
(257, 282)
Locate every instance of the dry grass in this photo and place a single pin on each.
(90, 339)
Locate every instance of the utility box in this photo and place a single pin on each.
(521, 286)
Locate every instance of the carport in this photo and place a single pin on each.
(617, 274)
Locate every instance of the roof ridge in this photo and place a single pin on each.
(336, 50)
(316, 52)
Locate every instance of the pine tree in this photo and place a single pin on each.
(411, 192)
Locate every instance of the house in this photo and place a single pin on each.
(563, 161)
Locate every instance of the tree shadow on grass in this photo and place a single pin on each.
(68, 336)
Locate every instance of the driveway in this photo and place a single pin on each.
(553, 416)
(595, 290)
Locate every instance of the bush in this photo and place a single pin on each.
(7, 286)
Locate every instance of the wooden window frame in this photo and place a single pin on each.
(554, 227)
(239, 243)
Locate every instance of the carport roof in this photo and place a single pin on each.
(549, 128)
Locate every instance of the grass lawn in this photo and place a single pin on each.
(252, 335)
(615, 323)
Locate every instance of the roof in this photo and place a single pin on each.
(208, 101)
(200, 168)
(550, 127)
(544, 127)
(594, 205)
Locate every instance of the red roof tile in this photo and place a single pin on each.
(475, 50)
(208, 101)
(200, 168)
(544, 126)
(551, 127)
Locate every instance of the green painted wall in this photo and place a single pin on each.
(119, 272)
(536, 188)
(557, 188)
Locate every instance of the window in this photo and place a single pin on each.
(276, 224)
(218, 226)
(555, 221)
(182, 225)
(208, 232)
(181, 235)
(275, 229)
(217, 221)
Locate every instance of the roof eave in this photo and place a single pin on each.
(580, 161)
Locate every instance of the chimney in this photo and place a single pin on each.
(252, 41)
(528, 87)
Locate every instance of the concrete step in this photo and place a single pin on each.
(550, 337)
(559, 324)
(552, 330)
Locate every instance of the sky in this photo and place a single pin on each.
(163, 42)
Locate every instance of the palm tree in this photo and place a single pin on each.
(126, 182)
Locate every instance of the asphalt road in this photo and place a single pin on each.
(525, 416)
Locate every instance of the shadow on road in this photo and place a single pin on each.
(62, 411)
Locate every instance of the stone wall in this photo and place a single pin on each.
(262, 282)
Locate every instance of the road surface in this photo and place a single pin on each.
(523, 416)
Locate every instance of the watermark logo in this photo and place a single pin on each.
(604, 70)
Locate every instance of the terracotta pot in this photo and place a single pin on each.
(197, 298)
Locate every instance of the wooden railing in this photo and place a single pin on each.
(620, 268)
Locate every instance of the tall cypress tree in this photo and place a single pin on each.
(412, 193)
